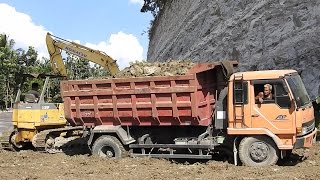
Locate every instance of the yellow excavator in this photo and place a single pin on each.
(40, 124)
(56, 45)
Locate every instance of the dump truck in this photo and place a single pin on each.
(205, 112)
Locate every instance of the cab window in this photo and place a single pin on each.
(240, 92)
(271, 91)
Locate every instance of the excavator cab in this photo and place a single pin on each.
(32, 115)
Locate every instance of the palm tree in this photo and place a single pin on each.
(5, 41)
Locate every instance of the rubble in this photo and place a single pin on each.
(143, 68)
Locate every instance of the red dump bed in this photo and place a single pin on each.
(144, 101)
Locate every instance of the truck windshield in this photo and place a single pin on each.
(298, 89)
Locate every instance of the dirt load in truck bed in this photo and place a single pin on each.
(143, 68)
(36, 165)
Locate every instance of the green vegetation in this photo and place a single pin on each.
(15, 62)
(155, 7)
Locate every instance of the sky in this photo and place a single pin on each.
(116, 27)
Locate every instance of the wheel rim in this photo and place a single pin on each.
(106, 152)
(259, 151)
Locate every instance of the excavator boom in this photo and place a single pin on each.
(55, 46)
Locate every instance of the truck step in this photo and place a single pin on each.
(174, 156)
(175, 146)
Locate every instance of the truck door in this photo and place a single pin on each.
(276, 114)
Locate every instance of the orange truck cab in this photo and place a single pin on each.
(286, 120)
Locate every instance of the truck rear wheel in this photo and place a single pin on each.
(108, 147)
(258, 151)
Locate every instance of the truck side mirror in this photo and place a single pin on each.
(292, 103)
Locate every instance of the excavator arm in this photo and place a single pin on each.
(55, 46)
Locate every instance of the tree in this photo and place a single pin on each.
(79, 68)
(15, 62)
(8, 66)
(153, 6)
(98, 71)
(27, 63)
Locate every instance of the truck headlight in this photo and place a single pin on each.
(304, 130)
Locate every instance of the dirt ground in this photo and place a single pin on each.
(36, 165)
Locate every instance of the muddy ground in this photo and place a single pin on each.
(37, 165)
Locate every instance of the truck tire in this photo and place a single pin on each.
(108, 147)
(258, 151)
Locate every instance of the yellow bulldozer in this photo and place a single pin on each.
(34, 118)
(38, 123)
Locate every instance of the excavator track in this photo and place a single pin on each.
(45, 140)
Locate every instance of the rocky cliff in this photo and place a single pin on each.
(264, 34)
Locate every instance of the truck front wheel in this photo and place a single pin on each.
(258, 151)
(108, 147)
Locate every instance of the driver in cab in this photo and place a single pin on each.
(32, 96)
(265, 95)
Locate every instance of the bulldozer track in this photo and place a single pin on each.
(39, 140)
(6, 145)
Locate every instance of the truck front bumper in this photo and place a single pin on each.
(306, 141)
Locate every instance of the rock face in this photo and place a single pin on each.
(265, 34)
